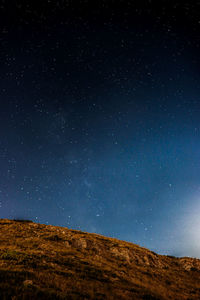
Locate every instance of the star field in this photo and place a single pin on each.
(99, 119)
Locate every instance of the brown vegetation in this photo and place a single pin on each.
(49, 262)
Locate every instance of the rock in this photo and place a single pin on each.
(28, 282)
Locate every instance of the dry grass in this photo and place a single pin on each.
(48, 262)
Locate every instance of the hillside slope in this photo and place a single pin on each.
(49, 262)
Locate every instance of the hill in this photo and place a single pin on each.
(49, 262)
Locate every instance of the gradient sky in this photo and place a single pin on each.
(100, 119)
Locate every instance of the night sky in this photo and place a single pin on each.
(100, 118)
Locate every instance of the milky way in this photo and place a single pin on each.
(99, 119)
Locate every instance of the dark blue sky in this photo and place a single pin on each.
(100, 119)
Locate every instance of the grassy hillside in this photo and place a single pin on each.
(49, 262)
